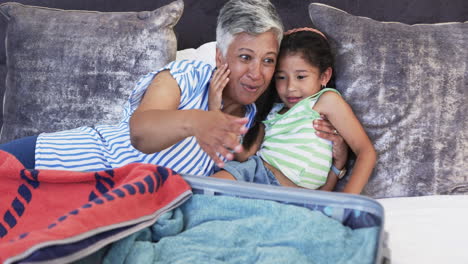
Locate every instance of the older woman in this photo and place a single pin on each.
(173, 118)
(248, 37)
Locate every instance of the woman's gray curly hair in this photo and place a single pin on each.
(246, 16)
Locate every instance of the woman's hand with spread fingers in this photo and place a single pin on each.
(219, 80)
(218, 133)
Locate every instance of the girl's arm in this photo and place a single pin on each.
(340, 114)
(332, 179)
(324, 129)
(157, 124)
(246, 153)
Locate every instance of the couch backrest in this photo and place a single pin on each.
(192, 33)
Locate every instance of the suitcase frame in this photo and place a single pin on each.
(340, 206)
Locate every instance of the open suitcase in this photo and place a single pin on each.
(339, 206)
(112, 207)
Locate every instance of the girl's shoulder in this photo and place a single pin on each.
(326, 99)
(327, 92)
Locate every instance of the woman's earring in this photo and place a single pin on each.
(322, 86)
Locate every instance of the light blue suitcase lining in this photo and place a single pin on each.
(354, 211)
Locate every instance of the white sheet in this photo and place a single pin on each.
(427, 229)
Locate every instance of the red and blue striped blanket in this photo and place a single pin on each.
(62, 216)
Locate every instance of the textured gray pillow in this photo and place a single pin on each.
(72, 68)
(408, 86)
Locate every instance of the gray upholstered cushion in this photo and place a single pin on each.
(408, 85)
(72, 68)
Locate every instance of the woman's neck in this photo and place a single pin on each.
(234, 109)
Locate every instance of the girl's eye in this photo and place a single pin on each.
(300, 77)
(279, 77)
(245, 57)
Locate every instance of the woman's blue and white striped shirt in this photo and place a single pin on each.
(108, 146)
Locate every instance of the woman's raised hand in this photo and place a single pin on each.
(219, 133)
(218, 82)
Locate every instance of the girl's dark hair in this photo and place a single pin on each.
(312, 46)
(315, 49)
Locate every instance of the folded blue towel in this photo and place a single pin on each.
(223, 229)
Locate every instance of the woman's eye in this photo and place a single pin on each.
(269, 61)
(244, 57)
(279, 77)
(300, 77)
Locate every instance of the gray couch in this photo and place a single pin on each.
(407, 84)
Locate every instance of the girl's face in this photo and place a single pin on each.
(297, 79)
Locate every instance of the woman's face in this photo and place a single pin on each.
(251, 60)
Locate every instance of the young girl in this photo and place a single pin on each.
(288, 151)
